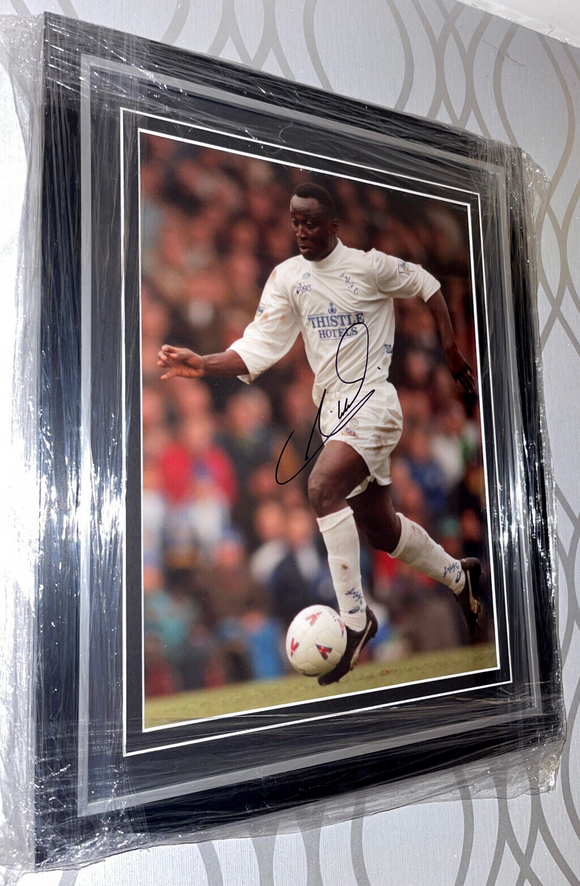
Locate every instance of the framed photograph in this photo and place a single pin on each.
(179, 199)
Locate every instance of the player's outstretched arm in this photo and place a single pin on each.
(187, 364)
(458, 365)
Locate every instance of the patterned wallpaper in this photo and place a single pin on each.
(443, 60)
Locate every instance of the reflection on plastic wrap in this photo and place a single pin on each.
(178, 235)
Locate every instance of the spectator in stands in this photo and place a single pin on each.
(302, 577)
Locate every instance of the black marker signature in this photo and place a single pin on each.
(345, 413)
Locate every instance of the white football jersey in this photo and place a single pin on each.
(343, 308)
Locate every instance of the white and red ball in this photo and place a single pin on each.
(315, 641)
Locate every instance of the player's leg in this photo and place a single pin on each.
(405, 540)
(337, 472)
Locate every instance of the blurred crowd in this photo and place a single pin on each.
(229, 555)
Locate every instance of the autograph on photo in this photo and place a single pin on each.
(345, 412)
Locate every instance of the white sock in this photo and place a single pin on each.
(416, 548)
(341, 538)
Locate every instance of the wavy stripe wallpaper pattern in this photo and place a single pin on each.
(443, 60)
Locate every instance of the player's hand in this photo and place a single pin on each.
(179, 361)
(460, 368)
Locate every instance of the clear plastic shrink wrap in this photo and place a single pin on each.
(146, 692)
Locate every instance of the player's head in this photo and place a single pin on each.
(314, 220)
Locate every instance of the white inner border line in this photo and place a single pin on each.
(467, 207)
(304, 153)
(482, 421)
(354, 713)
(287, 163)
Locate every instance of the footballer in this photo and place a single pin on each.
(341, 301)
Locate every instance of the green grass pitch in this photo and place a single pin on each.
(287, 690)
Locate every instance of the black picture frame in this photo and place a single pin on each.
(95, 762)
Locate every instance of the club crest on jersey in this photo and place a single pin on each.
(307, 275)
(350, 283)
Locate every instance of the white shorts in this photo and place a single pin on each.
(373, 432)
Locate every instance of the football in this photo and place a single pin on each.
(315, 641)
